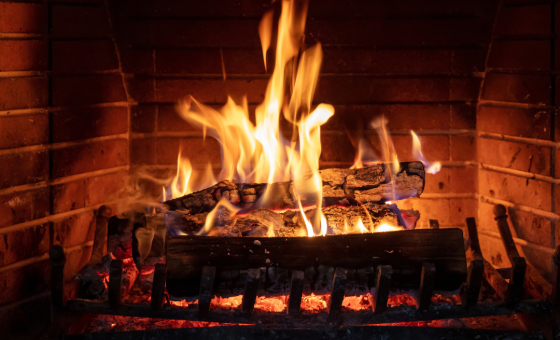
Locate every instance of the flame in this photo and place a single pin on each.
(431, 168)
(361, 226)
(259, 153)
(385, 227)
(222, 204)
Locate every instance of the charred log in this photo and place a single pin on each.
(263, 222)
(371, 184)
(404, 251)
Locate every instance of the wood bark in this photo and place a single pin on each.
(404, 251)
(370, 184)
(263, 222)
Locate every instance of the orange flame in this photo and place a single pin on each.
(431, 168)
(259, 153)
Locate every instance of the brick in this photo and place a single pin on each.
(216, 8)
(23, 93)
(409, 32)
(516, 156)
(170, 120)
(101, 189)
(437, 209)
(133, 32)
(75, 230)
(89, 157)
(143, 151)
(337, 148)
(529, 123)
(469, 59)
(79, 21)
(79, 124)
(24, 206)
(23, 18)
(371, 60)
(438, 183)
(22, 244)
(197, 150)
(23, 168)
(87, 192)
(463, 148)
(524, 20)
(518, 190)
(199, 9)
(85, 90)
(463, 116)
(209, 61)
(20, 131)
(413, 116)
(143, 118)
(526, 226)
(520, 54)
(23, 55)
(362, 90)
(137, 61)
(84, 56)
(460, 209)
(517, 88)
(464, 89)
(210, 90)
(75, 261)
(206, 32)
(463, 179)
(23, 282)
(434, 147)
(140, 90)
(557, 167)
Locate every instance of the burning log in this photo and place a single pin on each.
(404, 251)
(263, 222)
(370, 184)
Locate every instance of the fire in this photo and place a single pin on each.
(431, 168)
(260, 153)
(385, 227)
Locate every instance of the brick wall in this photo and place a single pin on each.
(64, 117)
(518, 132)
(418, 63)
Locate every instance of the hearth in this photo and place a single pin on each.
(279, 169)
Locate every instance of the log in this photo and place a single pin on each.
(266, 223)
(370, 184)
(405, 251)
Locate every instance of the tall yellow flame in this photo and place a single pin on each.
(259, 153)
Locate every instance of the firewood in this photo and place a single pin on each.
(370, 184)
(263, 222)
(405, 251)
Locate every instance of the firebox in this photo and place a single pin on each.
(279, 169)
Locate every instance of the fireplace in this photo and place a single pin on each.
(90, 95)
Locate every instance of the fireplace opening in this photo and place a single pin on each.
(279, 169)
